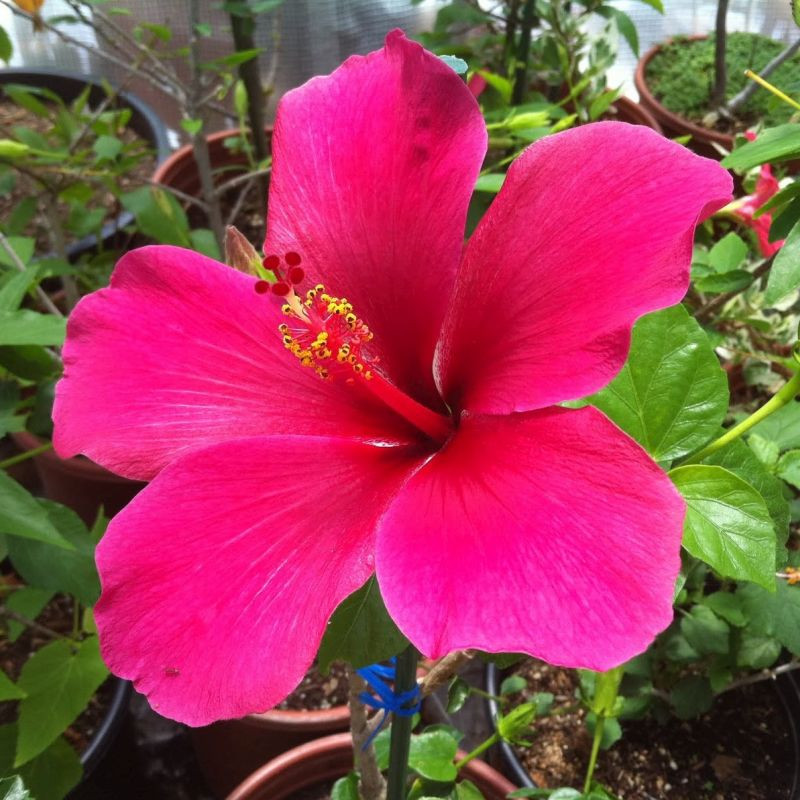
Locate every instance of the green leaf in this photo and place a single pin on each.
(346, 788)
(513, 684)
(732, 281)
(6, 48)
(499, 83)
(773, 144)
(788, 467)
(431, 756)
(782, 426)
(158, 215)
(705, 631)
(757, 652)
(31, 362)
(59, 680)
(612, 730)
(515, 724)
(13, 788)
(23, 247)
(691, 697)
(73, 572)
(625, 25)
(161, 32)
(728, 253)
(491, 183)
(360, 631)
(671, 395)
(467, 790)
(10, 420)
(728, 606)
(773, 614)
(784, 275)
(766, 451)
(107, 147)
(457, 694)
(783, 222)
(21, 515)
(192, 126)
(8, 689)
(28, 327)
(204, 241)
(54, 772)
(14, 288)
(727, 524)
(27, 601)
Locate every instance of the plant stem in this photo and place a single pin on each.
(720, 76)
(481, 748)
(400, 743)
(784, 395)
(704, 312)
(371, 783)
(523, 53)
(598, 737)
(444, 670)
(18, 459)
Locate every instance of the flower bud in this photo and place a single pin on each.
(240, 254)
(11, 149)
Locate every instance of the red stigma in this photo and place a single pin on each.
(281, 289)
(296, 275)
(292, 258)
(262, 287)
(271, 262)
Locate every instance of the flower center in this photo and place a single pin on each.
(324, 333)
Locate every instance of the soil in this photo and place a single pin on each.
(57, 616)
(13, 116)
(740, 750)
(317, 691)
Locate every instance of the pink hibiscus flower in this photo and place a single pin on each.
(766, 187)
(413, 436)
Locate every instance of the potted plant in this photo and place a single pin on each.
(674, 84)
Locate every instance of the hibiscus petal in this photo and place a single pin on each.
(219, 578)
(179, 353)
(592, 229)
(550, 533)
(374, 166)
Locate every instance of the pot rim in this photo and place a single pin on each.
(109, 728)
(662, 113)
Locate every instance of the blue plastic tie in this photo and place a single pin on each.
(379, 677)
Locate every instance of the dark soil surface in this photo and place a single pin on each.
(318, 691)
(740, 750)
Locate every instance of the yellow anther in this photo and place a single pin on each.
(286, 308)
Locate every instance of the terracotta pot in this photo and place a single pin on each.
(703, 139)
(331, 758)
(627, 110)
(230, 750)
(180, 169)
(77, 482)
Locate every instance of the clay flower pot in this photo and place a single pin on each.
(628, 110)
(77, 482)
(332, 757)
(703, 139)
(228, 751)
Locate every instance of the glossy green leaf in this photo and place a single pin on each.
(782, 426)
(784, 275)
(31, 362)
(21, 515)
(773, 144)
(705, 631)
(466, 790)
(14, 788)
(360, 631)
(71, 572)
(8, 689)
(158, 215)
(24, 326)
(671, 395)
(784, 220)
(788, 467)
(727, 524)
(728, 606)
(732, 281)
(52, 774)
(766, 451)
(457, 694)
(431, 756)
(728, 253)
(502, 85)
(59, 680)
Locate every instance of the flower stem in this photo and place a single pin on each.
(784, 395)
(482, 747)
(400, 742)
(598, 737)
(17, 459)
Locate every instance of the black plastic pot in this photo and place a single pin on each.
(786, 685)
(144, 121)
(102, 760)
